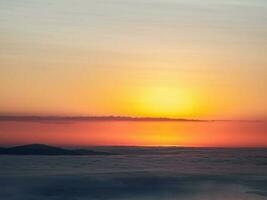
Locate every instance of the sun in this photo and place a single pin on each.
(166, 102)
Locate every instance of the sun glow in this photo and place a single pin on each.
(167, 102)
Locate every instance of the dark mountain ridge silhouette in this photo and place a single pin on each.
(42, 149)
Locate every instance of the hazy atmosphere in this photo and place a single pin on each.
(133, 99)
(163, 58)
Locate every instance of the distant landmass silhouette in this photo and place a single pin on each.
(92, 118)
(42, 149)
(112, 118)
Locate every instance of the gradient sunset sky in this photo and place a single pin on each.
(158, 58)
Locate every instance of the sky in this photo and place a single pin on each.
(129, 133)
(156, 58)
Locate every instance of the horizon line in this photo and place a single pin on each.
(113, 118)
(133, 146)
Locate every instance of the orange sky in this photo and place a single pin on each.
(136, 58)
(70, 133)
(153, 58)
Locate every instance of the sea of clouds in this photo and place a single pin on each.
(188, 175)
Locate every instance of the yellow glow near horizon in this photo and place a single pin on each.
(166, 102)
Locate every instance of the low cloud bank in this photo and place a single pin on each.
(142, 186)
